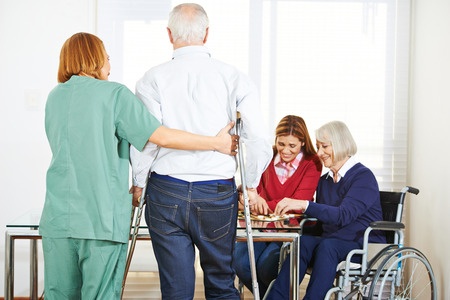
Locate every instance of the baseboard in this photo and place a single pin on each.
(17, 298)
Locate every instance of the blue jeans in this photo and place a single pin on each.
(181, 215)
(267, 255)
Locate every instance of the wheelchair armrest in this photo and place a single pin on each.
(307, 219)
(311, 229)
(387, 225)
(379, 225)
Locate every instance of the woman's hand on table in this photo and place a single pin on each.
(252, 196)
(289, 204)
(257, 204)
(260, 206)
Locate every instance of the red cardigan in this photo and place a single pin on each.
(301, 185)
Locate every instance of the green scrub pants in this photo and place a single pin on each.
(83, 269)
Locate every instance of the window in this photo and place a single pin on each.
(320, 59)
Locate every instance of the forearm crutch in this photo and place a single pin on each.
(248, 225)
(137, 222)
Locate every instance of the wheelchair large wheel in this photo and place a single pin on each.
(404, 274)
(359, 287)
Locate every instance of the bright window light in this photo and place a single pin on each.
(320, 59)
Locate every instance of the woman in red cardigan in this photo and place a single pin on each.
(293, 173)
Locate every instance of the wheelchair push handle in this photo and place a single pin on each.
(411, 189)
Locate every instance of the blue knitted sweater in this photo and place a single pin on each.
(346, 208)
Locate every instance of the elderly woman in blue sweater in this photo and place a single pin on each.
(347, 201)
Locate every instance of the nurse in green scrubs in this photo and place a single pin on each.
(90, 123)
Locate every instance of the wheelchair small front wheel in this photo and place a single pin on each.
(405, 274)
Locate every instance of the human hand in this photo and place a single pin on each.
(227, 143)
(288, 204)
(252, 196)
(240, 200)
(137, 193)
(261, 207)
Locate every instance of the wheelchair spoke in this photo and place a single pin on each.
(418, 274)
(410, 273)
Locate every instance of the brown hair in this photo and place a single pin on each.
(296, 126)
(82, 53)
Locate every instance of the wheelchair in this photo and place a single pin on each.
(396, 272)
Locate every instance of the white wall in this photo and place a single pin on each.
(430, 135)
(31, 35)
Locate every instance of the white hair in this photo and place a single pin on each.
(338, 134)
(188, 23)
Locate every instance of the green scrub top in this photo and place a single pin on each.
(89, 125)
